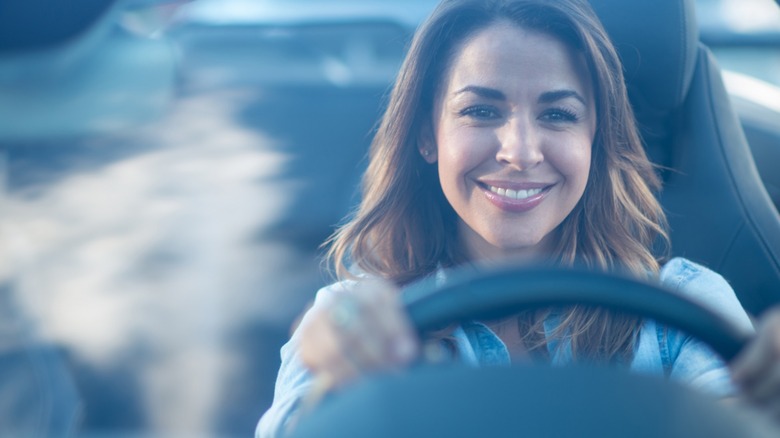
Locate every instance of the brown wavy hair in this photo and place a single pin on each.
(404, 228)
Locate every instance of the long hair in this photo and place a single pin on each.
(404, 228)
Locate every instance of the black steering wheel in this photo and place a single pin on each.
(495, 293)
(532, 400)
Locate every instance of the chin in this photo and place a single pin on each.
(518, 247)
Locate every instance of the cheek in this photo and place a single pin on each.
(582, 166)
(574, 167)
(461, 149)
(574, 162)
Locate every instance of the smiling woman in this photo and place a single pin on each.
(508, 137)
(513, 156)
(167, 261)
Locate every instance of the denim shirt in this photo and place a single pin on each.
(659, 351)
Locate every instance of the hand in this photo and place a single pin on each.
(357, 331)
(757, 369)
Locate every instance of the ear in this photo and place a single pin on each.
(426, 144)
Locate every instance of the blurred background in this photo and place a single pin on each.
(168, 174)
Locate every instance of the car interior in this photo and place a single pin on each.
(721, 213)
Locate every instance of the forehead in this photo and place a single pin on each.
(509, 57)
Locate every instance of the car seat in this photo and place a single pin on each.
(719, 212)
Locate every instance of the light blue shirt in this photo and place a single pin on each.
(659, 351)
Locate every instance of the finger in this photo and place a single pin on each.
(327, 353)
(767, 388)
(342, 369)
(406, 345)
(371, 347)
(370, 336)
(362, 343)
(354, 332)
(399, 342)
(761, 354)
(750, 365)
(353, 322)
(316, 342)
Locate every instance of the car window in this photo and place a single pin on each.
(744, 35)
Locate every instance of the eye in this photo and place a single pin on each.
(560, 115)
(481, 112)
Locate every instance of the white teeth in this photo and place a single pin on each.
(515, 194)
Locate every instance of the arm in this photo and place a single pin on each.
(353, 328)
(689, 360)
(754, 376)
(292, 384)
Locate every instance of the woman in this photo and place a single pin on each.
(508, 136)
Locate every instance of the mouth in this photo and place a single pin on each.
(515, 194)
(515, 197)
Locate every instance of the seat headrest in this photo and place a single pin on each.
(657, 42)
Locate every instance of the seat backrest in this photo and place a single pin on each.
(719, 212)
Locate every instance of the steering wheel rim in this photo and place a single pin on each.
(460, 400)
(494, 293)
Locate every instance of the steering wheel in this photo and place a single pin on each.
(495, 293)
(533, 400)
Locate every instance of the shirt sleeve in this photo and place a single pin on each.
(294, 380)
(694, 364)
(292, 384)
(689, 360)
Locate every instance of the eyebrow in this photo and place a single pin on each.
(487, 93)
(552, 96)
(546, 97)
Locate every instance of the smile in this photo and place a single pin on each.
(515, 194)
(516, 200)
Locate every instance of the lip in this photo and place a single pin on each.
(514, 185)
(515, 205)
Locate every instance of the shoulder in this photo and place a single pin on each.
(679, 272)
(294, 380)
(705, 287)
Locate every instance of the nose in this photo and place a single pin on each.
(520, 145)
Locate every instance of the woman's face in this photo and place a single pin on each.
(513, 125)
